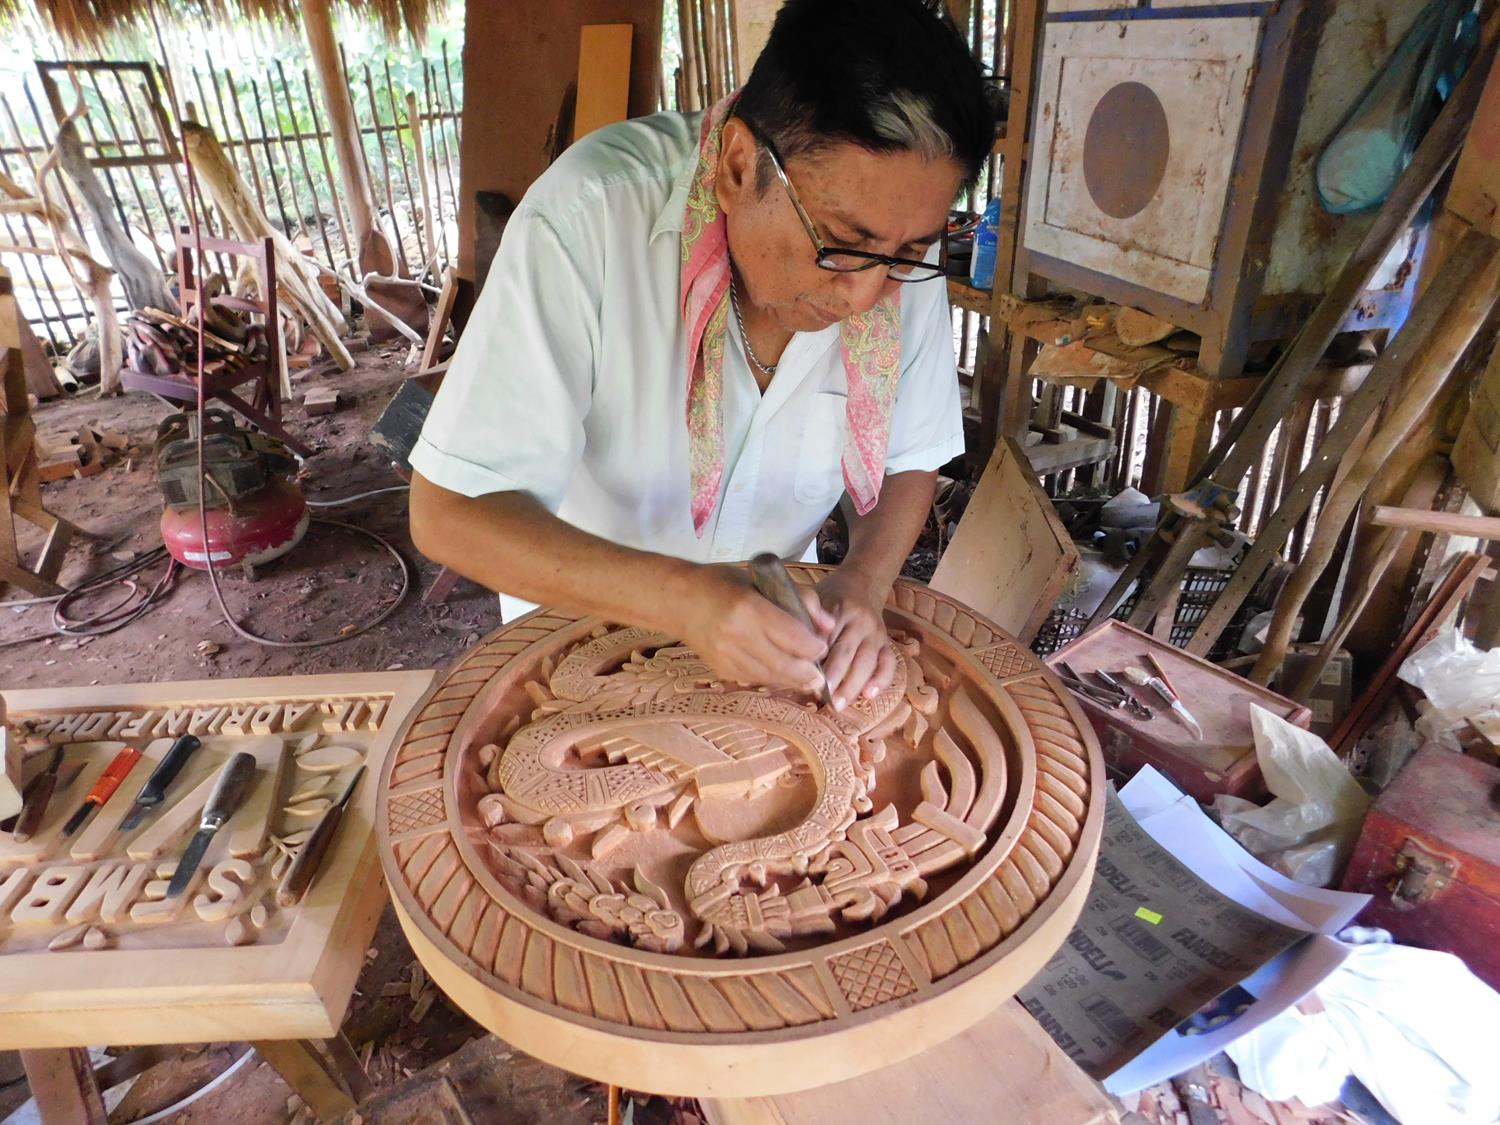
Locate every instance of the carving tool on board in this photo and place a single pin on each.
(1142, 678)
(1132, 704)
(771, 578)
(309, 859)
(155, 790)
(228, 792)
(35, 799)
(104, 788)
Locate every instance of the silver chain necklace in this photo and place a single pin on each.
(734, 299)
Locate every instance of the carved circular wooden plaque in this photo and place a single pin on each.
(645, 875)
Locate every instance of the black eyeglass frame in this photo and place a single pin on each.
(930, 271)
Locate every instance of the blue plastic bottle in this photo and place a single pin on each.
(982, 268)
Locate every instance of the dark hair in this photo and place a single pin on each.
(887, 75)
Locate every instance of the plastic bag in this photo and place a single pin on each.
(1416, 1027)
(1308, 829)
(1460, 682)
(1364, 158)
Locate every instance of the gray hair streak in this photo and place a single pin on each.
(906, 120)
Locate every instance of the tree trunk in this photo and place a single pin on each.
(144, 285)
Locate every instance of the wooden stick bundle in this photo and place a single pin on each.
(297, 275)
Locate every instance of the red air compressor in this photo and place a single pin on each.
(255, 511)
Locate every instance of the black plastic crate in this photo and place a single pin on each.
(1201, 587)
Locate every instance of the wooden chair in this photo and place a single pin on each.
(263, 407)
(21, 497)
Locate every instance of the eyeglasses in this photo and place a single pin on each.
(838, 259)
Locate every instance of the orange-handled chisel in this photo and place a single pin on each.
(104, 788)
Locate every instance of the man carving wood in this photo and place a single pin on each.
(704, 331)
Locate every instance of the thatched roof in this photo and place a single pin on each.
(87, 23)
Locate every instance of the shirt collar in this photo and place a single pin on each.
(670, 218)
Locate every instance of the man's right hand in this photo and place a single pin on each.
(746, 639)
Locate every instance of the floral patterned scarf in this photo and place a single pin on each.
(870, 343)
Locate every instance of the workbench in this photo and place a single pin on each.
(93, 952)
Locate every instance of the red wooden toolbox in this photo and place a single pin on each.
(1430, 854)
(1224, 762)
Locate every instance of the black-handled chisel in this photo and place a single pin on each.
(234, 782)
(155, 789)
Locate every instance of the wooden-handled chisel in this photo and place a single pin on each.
(34, 801)
(155, 789)
(771, 578)
(104, 788)
(234, 782)
(300, 875)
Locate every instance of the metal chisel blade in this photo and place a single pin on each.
(136, 813)
(190, 861)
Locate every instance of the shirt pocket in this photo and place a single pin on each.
(820, 470)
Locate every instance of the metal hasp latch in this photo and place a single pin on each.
(1421, 875)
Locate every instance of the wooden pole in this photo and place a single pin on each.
(435, 116)
(423, 252)
(373, 249)
(312, 190)
(350, 248)
(1477, 261)
(429, 229)
(385, 167)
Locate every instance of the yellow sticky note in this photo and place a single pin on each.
(1146, 915)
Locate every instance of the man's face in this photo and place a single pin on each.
(886, 203)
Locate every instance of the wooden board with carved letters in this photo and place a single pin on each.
(646, 875)
(91, 950)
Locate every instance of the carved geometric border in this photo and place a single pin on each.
(509, 949)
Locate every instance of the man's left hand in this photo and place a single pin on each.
(859, 662)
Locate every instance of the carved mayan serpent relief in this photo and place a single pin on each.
(597, 846)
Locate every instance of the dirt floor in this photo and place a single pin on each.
(331, 580)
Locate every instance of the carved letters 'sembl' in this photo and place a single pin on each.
(584, 822)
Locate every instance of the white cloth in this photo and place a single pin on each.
(570, 381)
(1414, 1026)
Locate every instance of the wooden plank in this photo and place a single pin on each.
(752, 27)
(1005, 1060)
(311, 1076)
(1011, 556)
(1476, 453)
(1441, 523)
(603, 76)
(962, 295)
(62, 1082)
(1057, 457)
(1475, 192)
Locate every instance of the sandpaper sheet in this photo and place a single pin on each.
(1153, 945)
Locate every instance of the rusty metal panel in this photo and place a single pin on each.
(1137, 127)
